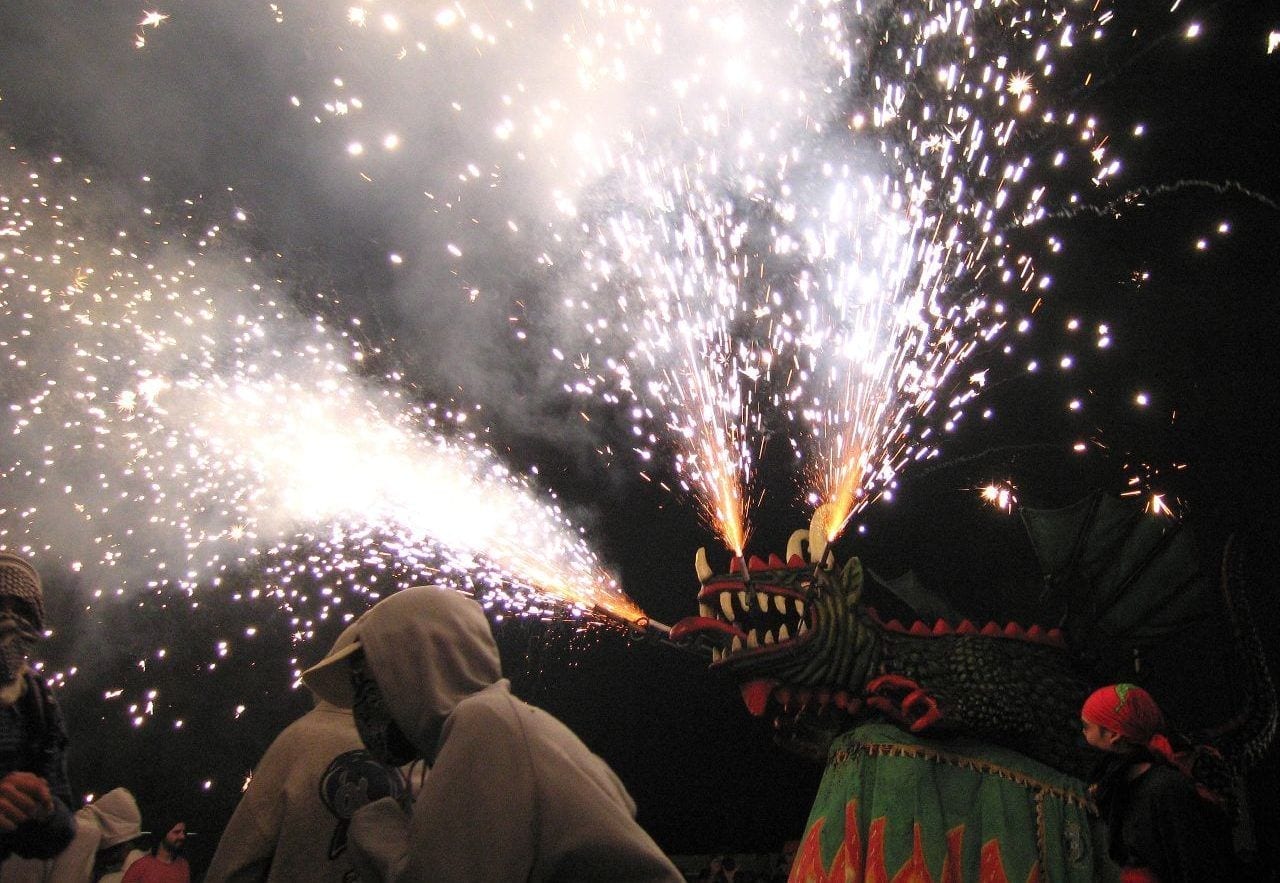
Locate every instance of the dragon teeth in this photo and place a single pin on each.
(704, 609)
(804, 627)
(762, 601)
(744, 601)
(768, 637)
(716, 654)
(752, 640)
(780, 603)
(736, 645)
(783, 633)
(726, 605)
(800, 609)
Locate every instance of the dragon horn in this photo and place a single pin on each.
(818, 527)
(700, 565)
(795, 545)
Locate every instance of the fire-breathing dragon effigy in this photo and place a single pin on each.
(978, 703)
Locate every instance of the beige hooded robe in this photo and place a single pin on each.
(512, 793)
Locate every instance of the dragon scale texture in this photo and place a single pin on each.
(809, 653)
(990, 776)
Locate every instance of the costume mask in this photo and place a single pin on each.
(21, 614)
(378, 730)
(17, 637)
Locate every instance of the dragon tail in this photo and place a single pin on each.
(1246, 737)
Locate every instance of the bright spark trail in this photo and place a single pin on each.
(786, 219)
(171, 419)
(727, 224)
(766, 217)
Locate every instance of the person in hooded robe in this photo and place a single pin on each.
(35, 797)
(512, 793)
(291, 824)
(106, 831)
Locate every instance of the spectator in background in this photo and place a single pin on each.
(35, 798)
(105, 829)
(782, 864)
(725, 870)
(291, 824)
(512, 795)
(1162, 827)
(165, 864)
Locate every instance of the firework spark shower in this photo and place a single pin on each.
(790, 215)
(721, 223)
(627, 146)
(733, 249)
(172, 417)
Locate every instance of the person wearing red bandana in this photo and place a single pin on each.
(1162, 827)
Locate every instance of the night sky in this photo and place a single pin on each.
(203, 106)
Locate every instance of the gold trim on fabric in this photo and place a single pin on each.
(1042, 834)
(892, 749)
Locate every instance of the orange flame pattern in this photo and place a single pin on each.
(850, 865)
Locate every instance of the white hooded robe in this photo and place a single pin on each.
(512, 793)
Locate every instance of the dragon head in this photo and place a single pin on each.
(791, 633)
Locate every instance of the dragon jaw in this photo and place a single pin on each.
(788, 632)
(746, 621)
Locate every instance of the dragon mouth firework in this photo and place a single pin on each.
(769, 623)
(761, 608)
(744, 618)
(787, 631)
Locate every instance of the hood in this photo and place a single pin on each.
(20, 580)
(346, 639)
(117, 815)
(428, 648)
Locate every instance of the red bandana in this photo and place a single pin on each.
(1129, 711)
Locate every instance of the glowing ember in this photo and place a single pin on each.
(1001, 495)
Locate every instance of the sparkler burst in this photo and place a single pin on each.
(796, 214)
(1001, 495)
(174, 414)
(781, 218)
(751, 242)
(625, 124)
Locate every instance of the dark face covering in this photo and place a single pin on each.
(378, 730)
(17, 636)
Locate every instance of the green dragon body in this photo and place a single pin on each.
(808, 653)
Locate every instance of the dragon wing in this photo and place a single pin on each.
(926, 604)
(1121, 579)
(1116, 577)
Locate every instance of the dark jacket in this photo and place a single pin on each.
(33, 739)
(1159, 821)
